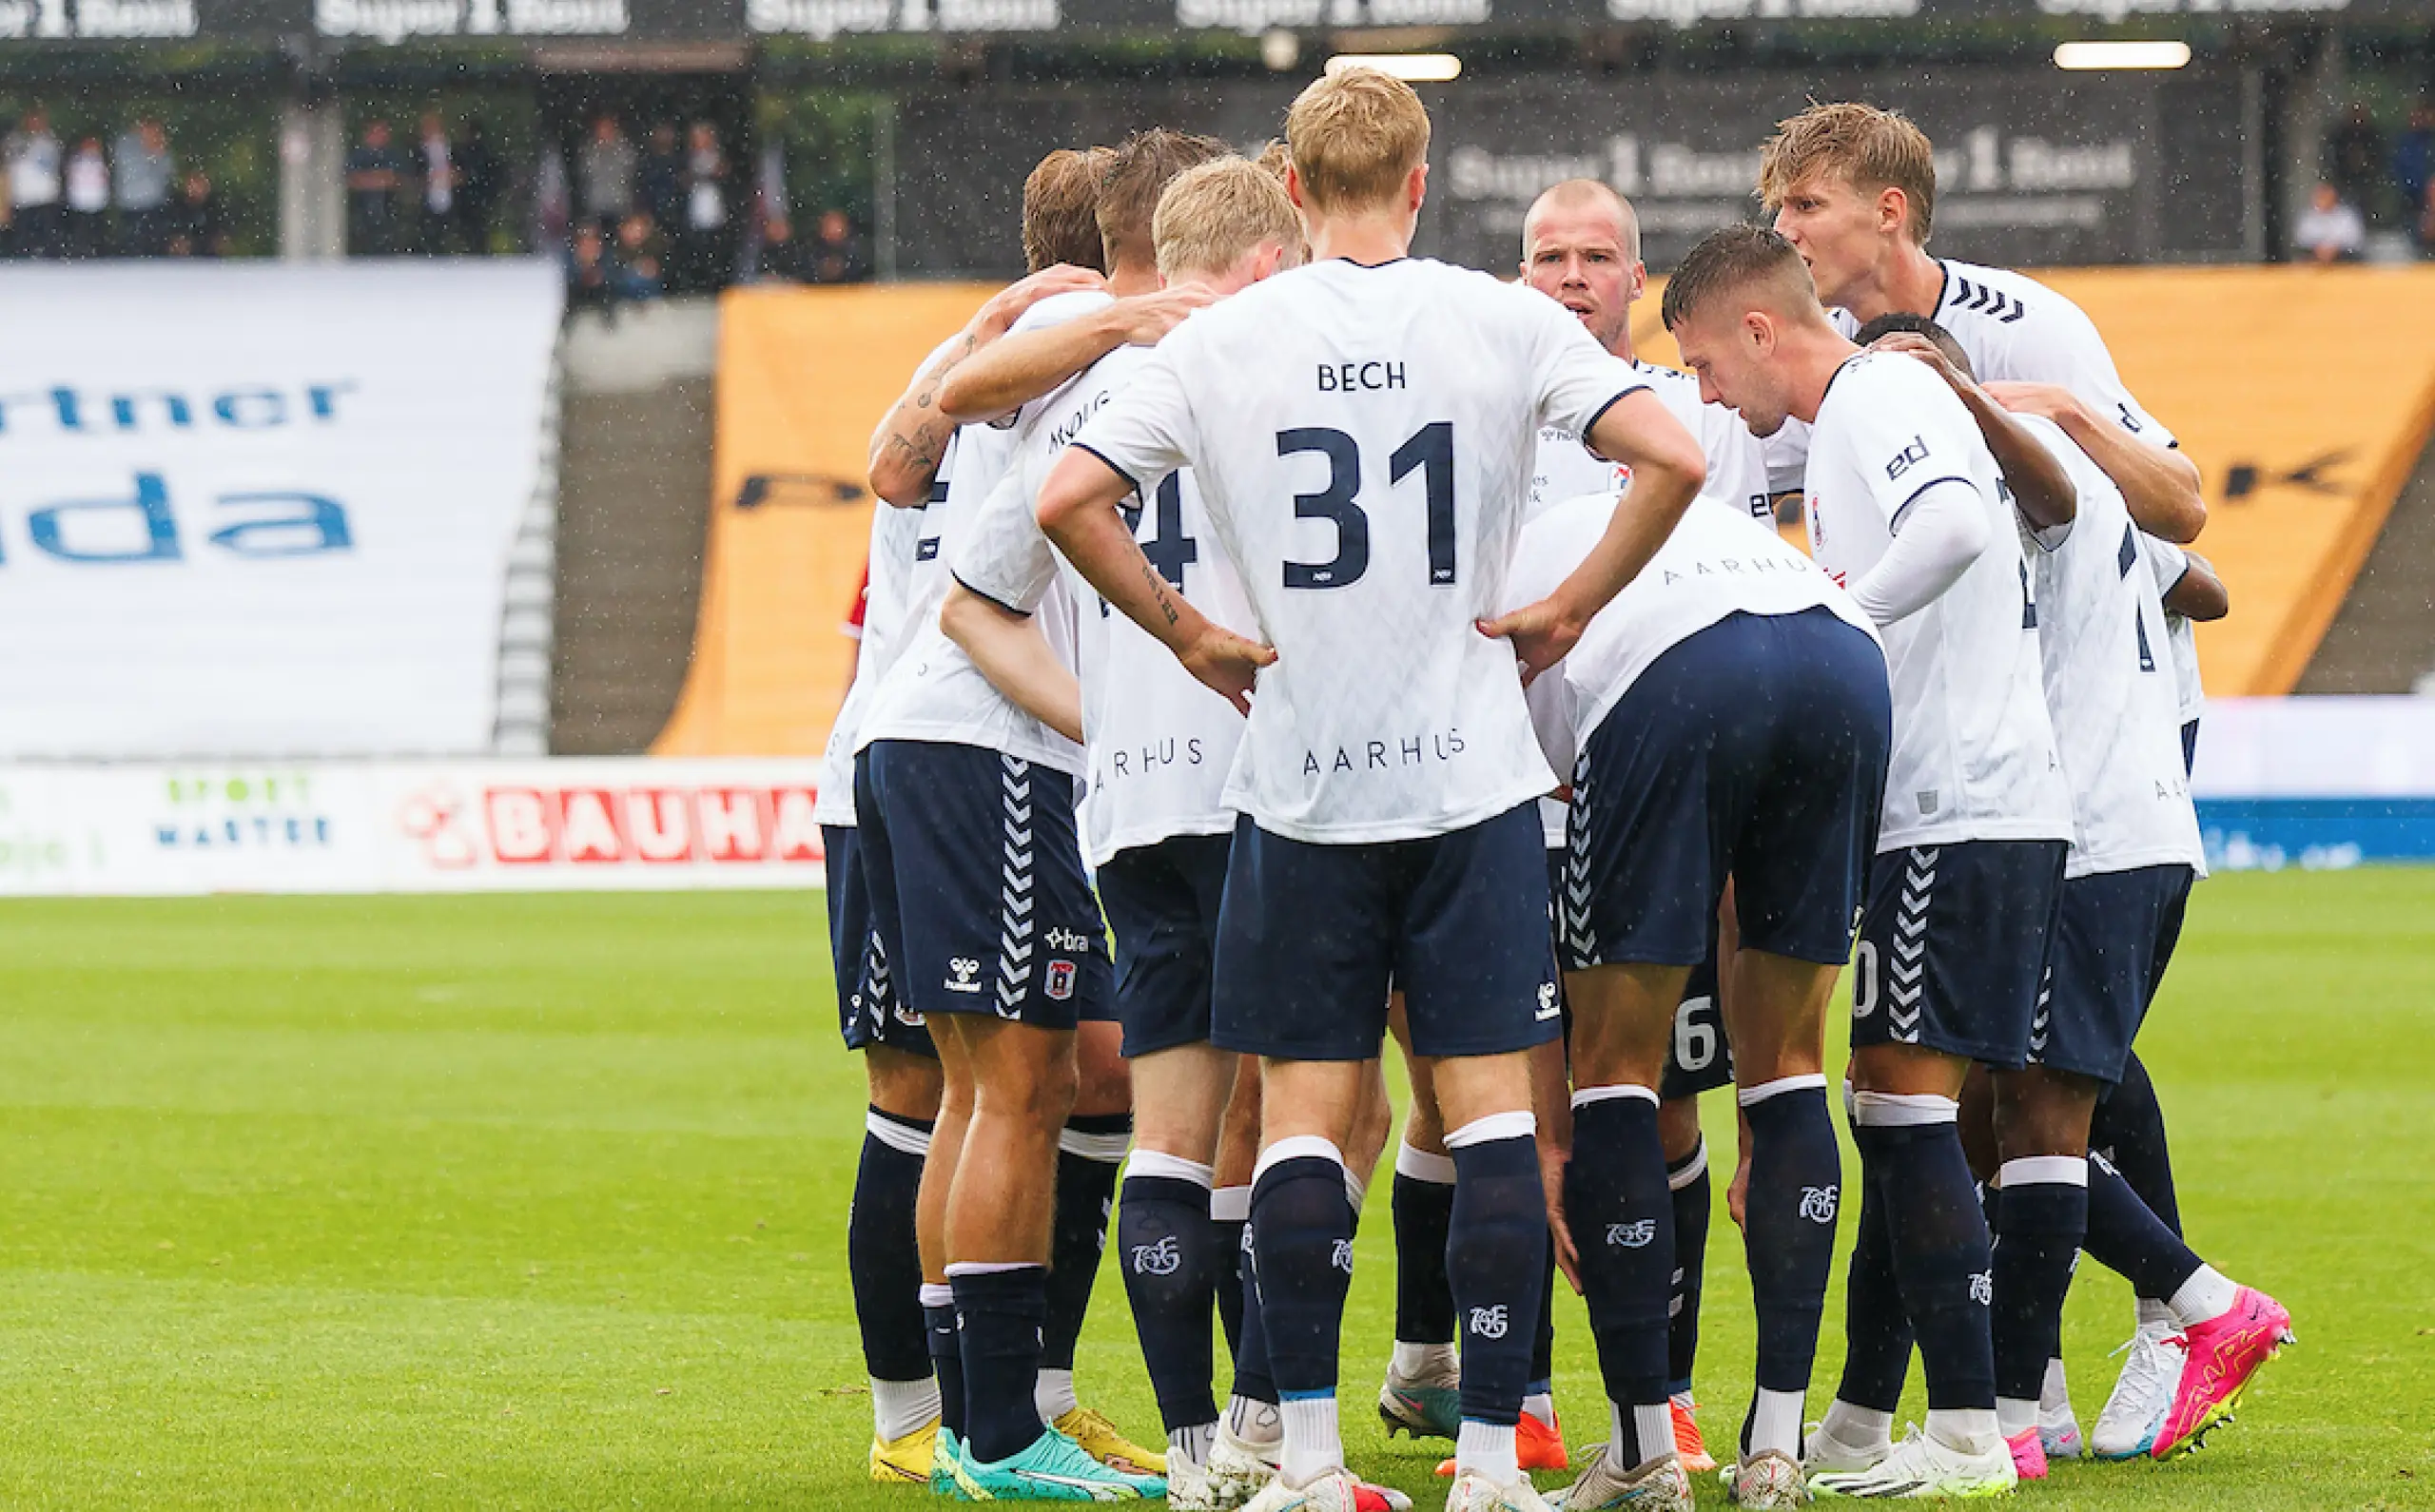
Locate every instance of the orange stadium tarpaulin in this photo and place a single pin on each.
(804, 376)
(2304, 395)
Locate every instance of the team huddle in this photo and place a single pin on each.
(1366, 646)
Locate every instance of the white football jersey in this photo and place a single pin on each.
(1718, 562)
(2168, 563)
(1160, 743)
(1363, 440)
(2015, 329)
(1974, 749)
(1736, 461)
(933, 692)
(2108, 686)
(886, 628)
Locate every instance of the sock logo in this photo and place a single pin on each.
(1160, 1259)
(1637, 1234)
(1341, 1256)
(1488, 1323)
(1817, 1204)
(1982, 1288)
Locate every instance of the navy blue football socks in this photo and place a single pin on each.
(947, 1354)
(1423, 1209)
(2044, 1214)
(1687, 1178)
(1090, 1150)
(1163, 1248)
(1941, 1249)
(1621, 1214)
(1796, 1186)
(999, 1312)
(1495, 1260)
(882, 1258)
(2126, 1236)
(1302, 1247)
(2129, 1130)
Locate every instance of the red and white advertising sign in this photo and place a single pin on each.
(409, 826)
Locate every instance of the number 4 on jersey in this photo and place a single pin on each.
(1169, 549)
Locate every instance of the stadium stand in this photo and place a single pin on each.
(2384, 639)
(635, 497)
(804, 374)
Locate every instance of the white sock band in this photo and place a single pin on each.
(1520, 1124)
(1584, 1096)
(1107, 1149)
(991, 1267)
(1231, 1204)
(1693, 1169)
(1355, 1192)
(2043, 1171)
(1420, 1165)
(1158, 1163)
(902, 1138)
(937, 1295)
(1752, 1097)
(1903, 1109)
(1300, 1147)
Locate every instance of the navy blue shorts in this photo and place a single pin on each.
(1310, 937)
(869, 1012)
(1953, 946)
(1756, 749)
(2113, 937)
(1161, 903)
(977, 891)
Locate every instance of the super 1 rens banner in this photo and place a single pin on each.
(263, 509)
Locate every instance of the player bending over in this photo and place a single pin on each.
(1387, 776)
(1906, 508)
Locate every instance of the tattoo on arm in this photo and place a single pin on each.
(1159, 592)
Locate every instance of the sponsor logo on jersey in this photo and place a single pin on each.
(1060, 938)
(1907, 459)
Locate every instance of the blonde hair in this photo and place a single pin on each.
(1211, 215)
(1870, 148)
(1274, 159)
(1356, 136)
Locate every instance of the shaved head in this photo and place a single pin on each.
(1580, 196)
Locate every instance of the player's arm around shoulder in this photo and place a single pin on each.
(1002, 379)
(1011, 652)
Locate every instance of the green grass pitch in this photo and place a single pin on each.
(540, 1202)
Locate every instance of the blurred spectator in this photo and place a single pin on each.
(2330, 230)
(836, 255)
(89, 200)
(2356, 150)
(781, 257)
(591, 280)
(660, 181)
(640, 273)
(481, 182)
(195, 227)
(35, 170)
(374, 175)
(704, 228)
(145, 171)
(2414, 164)
(436, 174)
(604, 171)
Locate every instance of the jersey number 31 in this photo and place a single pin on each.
(1429, 450)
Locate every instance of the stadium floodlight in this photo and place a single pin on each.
(2081, 56)
(1415, 67)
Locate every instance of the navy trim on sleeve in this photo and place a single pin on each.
(1904, 508)
(1600, 413)
(1082, 446)
(993, 599)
